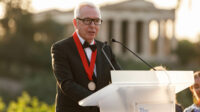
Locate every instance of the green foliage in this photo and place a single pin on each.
(24, 58)
(2, 105)
(42, 85)
(197, 47)
(20, 52)
(186, 51)
(130, 64)
(25, 103)
(52, 29)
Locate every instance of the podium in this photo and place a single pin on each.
(140, 91)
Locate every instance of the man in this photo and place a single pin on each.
(195, 89)
(78, 63)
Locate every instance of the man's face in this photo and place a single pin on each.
(196, 87)
(87, 32)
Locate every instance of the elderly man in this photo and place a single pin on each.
(78, 63)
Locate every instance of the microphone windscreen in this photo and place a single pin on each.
(113, 40)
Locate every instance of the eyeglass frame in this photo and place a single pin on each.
(90, 21)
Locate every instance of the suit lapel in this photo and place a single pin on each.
(79, 58)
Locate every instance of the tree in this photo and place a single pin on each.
(186, 51)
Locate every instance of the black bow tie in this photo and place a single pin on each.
(92, 47)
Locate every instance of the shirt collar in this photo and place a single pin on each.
(82, 40)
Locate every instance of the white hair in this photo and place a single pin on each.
(83, 4)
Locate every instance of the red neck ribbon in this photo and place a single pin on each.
(89, 69)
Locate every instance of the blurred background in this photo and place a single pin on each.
(163, 32)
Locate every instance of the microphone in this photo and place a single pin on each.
(102, 49)
(151, 67)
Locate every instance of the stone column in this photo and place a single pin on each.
(132, 35)
(173, 39)
(146, 40)
(166, 45)
(161, 35)
(103, 34)
(117, 36)
(173, 44)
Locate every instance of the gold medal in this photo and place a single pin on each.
(91, 86)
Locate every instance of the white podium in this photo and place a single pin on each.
(140, 91)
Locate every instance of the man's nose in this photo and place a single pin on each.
(92, 23)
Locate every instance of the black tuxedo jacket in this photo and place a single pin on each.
(71, 77)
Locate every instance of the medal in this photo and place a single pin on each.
(89, 68)
(91, 86)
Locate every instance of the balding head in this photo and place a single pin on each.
(77, 10)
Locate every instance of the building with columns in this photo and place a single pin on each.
(133, 23)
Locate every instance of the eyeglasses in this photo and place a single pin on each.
(88, 21)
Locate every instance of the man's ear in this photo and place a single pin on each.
(75, 23)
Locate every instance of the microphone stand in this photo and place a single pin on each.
(113, 40)
(107, 56)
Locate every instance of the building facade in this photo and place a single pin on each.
(130, 23)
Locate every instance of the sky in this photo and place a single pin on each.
(187, 18)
